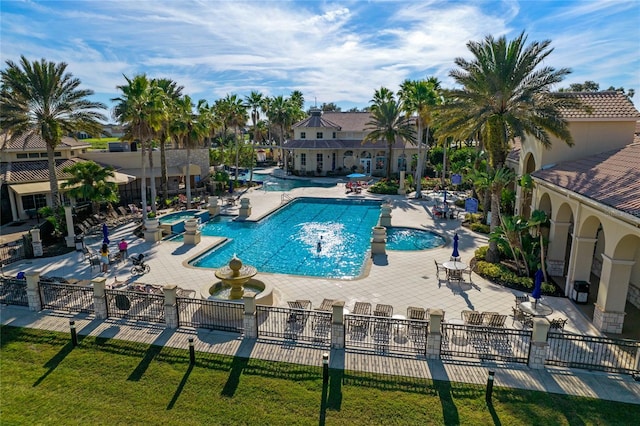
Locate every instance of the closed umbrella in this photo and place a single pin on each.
(455, 253)
(537, 285)
(105, 234)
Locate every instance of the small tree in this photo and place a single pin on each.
(90, 181)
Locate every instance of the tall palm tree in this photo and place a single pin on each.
(139, 108)
(90, 181)
(420, 97)
(388, 123)
(280, 113)
(172, 93)
(506, 94)
(254, 101)
(40, 99)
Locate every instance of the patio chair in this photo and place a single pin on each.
(520, 299)
(557, 324)
(326, 305)
(306, 304)
(297, 317)
(472, 317)
(494, 319)
(416, 313)
(522, 317)
(383, 310)
(360, 326)
(362, 308)
(439, 268)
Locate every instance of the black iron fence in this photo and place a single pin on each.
(13, 292)
(11, 252)
(485, 343)
(593, 352)
(136, 306)
(294, 324)
(66, 297)
(211, 314)
(385, 335)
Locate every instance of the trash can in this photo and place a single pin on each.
(79, 241)
(580, 292)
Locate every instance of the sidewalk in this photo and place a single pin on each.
(601, 385)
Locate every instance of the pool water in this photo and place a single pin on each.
(412, 239)
(286, 242)
(272, 183)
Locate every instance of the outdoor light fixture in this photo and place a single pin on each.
(487, 395)
(192, 352)
(74, 336)
(325, 368)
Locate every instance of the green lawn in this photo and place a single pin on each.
(45, 380)
(100, 143)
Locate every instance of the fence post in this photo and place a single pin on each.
(170, 306)
(99, 297)
(538, 352)
(33, 291)
(337, 325)
(434, 336)
(250, 320)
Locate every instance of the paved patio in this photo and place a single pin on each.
(401, 278)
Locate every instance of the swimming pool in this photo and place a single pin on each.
(412, 239)
(173, 223)
(286, 242)
(272, 183)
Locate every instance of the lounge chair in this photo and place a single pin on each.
(472, 317)
(416, 313)
(382, 310)
(326, 305)
(494, 319)
(362, 308)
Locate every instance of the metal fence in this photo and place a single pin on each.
(294, 324)
(593, 353)
(66, 297)
(386, 335)
(11, 252)
(211, 314)
(485, 343)
(13, 292)
(136, 306)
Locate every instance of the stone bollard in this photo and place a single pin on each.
(191, 233)
(99, 297)
(379, 240)
(250, 319)
(337, 325)
(170, 306)
(434, 336)
(33, 292)
(152, 232)
(36, 242)
(538, 352)
(401, 188)
(214, 208)
(385, 215)
(245, 208)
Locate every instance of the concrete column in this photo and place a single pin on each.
(385, 215)
(68, 215)
(337, 325)
(152, 232)
(609, 313)
(379, 240)
(99, 297)
(250, 319)
(170, 306)
(558, 235)
(36, 242)
(580, 262)
(245, 208)
(401, 189)
(214, 208)
(191, 233)
(33, 291)
(538, 352)
(434, 336)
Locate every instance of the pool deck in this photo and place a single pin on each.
(400, 279)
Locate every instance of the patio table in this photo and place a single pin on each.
(454, 269)
(536, 309)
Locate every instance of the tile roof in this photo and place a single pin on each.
(33, 171)
(611, 178)
(36, 143)
(340, 144)
(345, 121)
(603, 105)
(316, 120)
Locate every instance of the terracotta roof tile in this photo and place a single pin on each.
(611, 178)
(34, 171)
(603, 105)
(36, 143)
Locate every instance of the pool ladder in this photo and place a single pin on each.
(285, 198)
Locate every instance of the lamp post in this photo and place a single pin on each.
(325, 368)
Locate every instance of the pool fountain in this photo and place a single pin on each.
(236, 275)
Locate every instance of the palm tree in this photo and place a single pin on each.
(140, 109)
(420, 97)
(90, 181)
(254, 101)
(40, 99)
(280, 113)
(506, 94)
(388, 123)
(172, 93)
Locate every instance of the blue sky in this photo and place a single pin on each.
(331, 51)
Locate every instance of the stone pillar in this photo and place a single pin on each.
(191, 233)
(245, 208)
(538, 352)
(337, 325)
(214, 208)
(558, 235)
(250, 319)
(609, 313)
(152, 232)
(385, 215)
(379, 240)
(36, 242)
(401, 189)
(434, 336)
(70, 238)
(33, 291)
(170, 306)
(580, 262)
(99, 297)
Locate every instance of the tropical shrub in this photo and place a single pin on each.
(479, 227)
(384, 186)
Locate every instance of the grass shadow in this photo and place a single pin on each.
(151, 352)
(494, 415)
(53, 363)
(237, 367)
(449, 410)
(180, 387)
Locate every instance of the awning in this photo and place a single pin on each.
(31, 188)
(121, 178)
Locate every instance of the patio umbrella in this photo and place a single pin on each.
(537, 285)
(105, 234)
(455, 253)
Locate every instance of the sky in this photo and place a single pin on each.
(338, 52)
